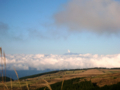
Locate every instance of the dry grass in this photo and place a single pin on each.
(3, 60)
(47, 84)
(11, 83)
(62, 84)
(5, 86)
(18, 78)
(27, 85)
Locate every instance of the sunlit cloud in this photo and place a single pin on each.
(42, 62)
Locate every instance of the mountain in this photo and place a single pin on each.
(5, 79)
(71, 54)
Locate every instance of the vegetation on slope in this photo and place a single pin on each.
(76, 84)
(5, 78)
(36, 75)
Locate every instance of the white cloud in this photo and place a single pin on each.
(99, 16)
(42, 62)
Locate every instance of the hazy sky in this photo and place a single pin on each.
(58, 26)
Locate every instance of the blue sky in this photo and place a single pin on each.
(54, 26)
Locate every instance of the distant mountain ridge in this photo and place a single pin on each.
(5, 79)
(71, 53)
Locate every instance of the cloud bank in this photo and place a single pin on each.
(99, 16)
(42, 61)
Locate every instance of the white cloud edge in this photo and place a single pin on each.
(42, 61)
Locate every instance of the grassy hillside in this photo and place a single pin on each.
(104, 70)
(36, 75)
(75, 84)
(96, 79)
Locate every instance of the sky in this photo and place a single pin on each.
(53, 27)
(57, 27)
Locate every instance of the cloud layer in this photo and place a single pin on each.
(42, 62)
(99, 16)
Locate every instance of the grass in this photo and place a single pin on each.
(18, 78)
(47, 84)
(27, 85)
(62, 84)
(100, 79)
(2, 66)
(11, 83)
(75, 84)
